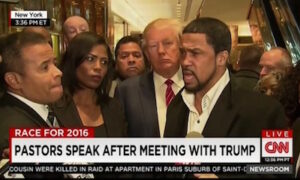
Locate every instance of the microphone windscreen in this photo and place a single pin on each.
(194, 134)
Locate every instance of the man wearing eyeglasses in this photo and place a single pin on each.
(145, 98)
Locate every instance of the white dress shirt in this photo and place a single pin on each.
(160, 95)
(196, 121)
(41, 109)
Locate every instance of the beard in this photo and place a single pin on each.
(199, 85)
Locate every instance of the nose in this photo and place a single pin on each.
(98, 65)
(57, 72)
(263, 72)
(161, 48)
(185, 61)
(131, 59)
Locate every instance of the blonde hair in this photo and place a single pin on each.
(269, 83)
(162, 23)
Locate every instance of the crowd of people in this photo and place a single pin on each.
(172, 82)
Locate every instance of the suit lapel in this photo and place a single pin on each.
(66, 113)
(177, 117)
(148, 103)
(28, 111)
(222, 116)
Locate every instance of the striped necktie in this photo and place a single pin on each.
(50, 117)
(169, 92)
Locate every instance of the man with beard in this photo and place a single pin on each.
(210, 103)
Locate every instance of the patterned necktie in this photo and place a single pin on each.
(50, 118)
(169, 92)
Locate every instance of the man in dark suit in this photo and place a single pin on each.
(296, 150)
(210, 104)
(248, 64)
(145, 98)
(31, 81)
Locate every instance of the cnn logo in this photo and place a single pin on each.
(277, 143)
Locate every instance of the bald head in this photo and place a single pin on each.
(73, 26)
(277, 59)
(40, 30)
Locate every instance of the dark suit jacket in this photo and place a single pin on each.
(246, 79)
(296, 142)
(16, 114)
(137, 95)
(113, 115)
(237, 113)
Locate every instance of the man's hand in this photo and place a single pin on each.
(5, 154)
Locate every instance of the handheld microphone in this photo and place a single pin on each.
(194, 134)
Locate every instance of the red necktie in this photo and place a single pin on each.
(169, 92)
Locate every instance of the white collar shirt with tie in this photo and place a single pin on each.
(160, 95)
(41, 109)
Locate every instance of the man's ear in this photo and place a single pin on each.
(222, 58)
(13, 80)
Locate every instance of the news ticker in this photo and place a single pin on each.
(153, 168)
(272, 153)
(28, 18)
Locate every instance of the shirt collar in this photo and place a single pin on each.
(177, 78)
(41, 109)
(212, 94)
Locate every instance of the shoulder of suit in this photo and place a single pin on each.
(111, 102)
(134, 81)
(296, 125)
(255, 98)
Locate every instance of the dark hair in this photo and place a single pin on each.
(289, 94)
(217, 33)
(129, 39)
(11, 51)
(125, 40)
(78, 48)
(250, 56)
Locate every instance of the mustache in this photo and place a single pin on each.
(187, 71)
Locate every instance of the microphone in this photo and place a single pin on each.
(194, 134)
(4, 165)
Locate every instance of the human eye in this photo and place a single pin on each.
(45, 66)
(83, 28)
(137, 54)
(168, 43)
(124, 55)
(90, 58)
(104, 61)
(72, 30)
(55, 62)
(152, 46)
(182, 52)
(195, 53)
